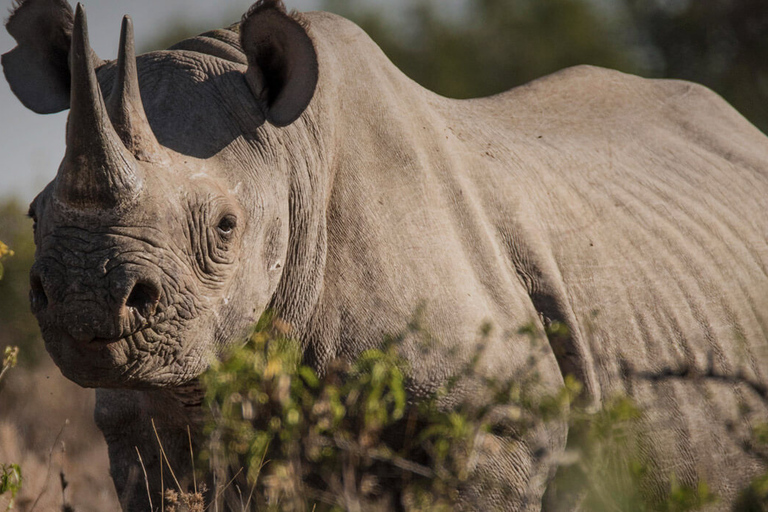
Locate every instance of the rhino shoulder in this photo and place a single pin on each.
(595, 84)
(644, 92)
(590, 101)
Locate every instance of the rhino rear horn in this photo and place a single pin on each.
(36, 68)
(282, 62)
(125, 107)
(98, 171)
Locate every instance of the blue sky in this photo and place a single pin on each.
(31, 145)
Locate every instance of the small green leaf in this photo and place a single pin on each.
(10, 479)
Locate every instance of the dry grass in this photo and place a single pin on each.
(46, 426)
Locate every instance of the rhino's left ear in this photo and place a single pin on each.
(282, 62)
(37, 69)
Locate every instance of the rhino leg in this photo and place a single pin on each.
(505, 461)
(135, 424)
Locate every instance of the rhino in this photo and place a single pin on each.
(285, 164)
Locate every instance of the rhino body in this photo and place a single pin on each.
(632, 211)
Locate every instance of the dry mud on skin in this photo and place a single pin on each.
(34, 433)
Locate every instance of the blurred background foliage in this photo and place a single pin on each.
(488, 46)
(17, 325)
(469, 48)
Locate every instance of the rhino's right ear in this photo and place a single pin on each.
(282, 62)
(37, 69)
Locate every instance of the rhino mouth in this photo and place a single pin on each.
(82, 337)
(119, 362)
(99, 343)
(63, 345)
(143, 329)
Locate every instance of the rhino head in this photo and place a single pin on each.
(164, 234)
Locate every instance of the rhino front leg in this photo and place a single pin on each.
(139, 426)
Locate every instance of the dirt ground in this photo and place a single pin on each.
(47, 428)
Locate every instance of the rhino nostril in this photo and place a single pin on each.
(144, 298)
(37, 297)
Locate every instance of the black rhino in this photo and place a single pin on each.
(285, 163)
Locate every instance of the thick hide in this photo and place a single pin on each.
(287, 164)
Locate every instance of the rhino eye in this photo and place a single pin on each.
(226, 225)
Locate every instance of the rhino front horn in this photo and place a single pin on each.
(125, 106)
(98, 171)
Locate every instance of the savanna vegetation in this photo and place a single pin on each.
(10, 473)
(285, 438)
(293, 440)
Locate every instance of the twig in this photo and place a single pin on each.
(146, 478)
(162, 452)
(192, 459)
(224, 488)
(395, 460)
(50, 465)
(348, 481)
(261, 466)
(250, 496)
(3, 371)
(686, 372)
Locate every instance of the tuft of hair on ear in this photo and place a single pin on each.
(263, 5)
(20, 7)
(300, 19)
(15, 5)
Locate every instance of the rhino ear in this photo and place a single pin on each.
(37, 69)
(282, 63)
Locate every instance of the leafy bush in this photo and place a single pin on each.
(606, 471)
(296, 440)
(11, 353)
(4, 252)
(10, 481)
(334, 441)
(10, 474)
(18, 324)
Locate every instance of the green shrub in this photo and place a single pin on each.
(329, 439)
(296, 440)
(10, 481)
(17, 324)
(10, 474)
(4, 252)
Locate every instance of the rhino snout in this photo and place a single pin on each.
(94, 312)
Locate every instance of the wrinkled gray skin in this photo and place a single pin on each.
(351, 202)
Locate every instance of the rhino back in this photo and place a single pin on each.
(644, 204)
(649, 197)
